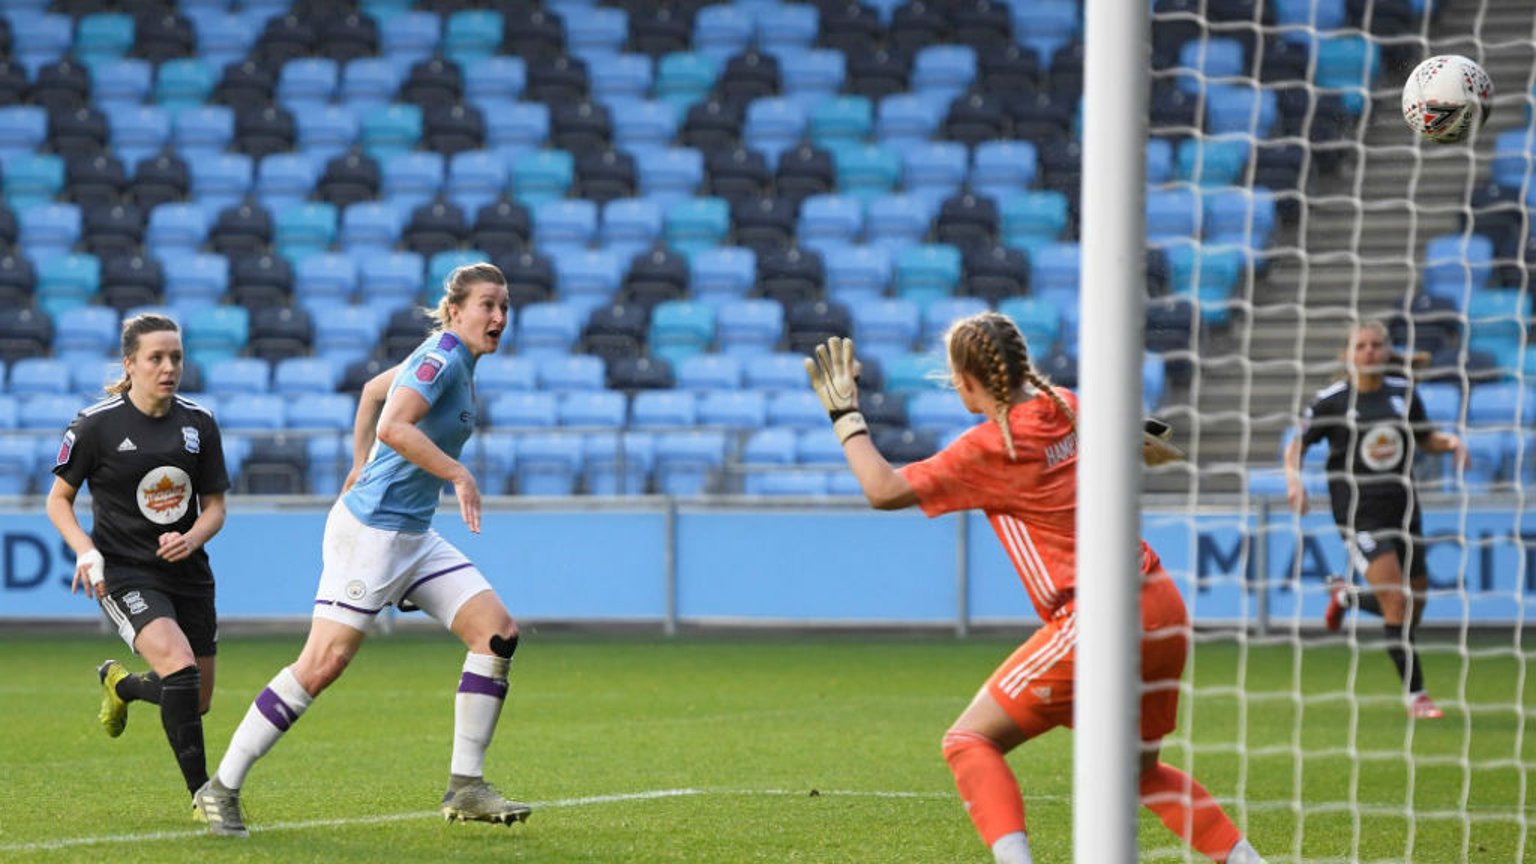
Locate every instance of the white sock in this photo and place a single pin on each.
(476, 708)
(1243, 853)
(1012, 849)
(274, 712)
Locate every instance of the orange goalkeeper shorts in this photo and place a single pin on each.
(1034, 685)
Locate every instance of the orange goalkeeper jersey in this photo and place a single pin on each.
(1031, 502)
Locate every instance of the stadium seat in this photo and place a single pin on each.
(1172, 214)
(894, 222)
(48, 230)
(410, 36)
(476, 178)
(669, 175)
(346, 334)
(391, 129)
(1456, 267)
(943, 70)
(1213, 161)
(588, 278)
(22, 129)
(905, 120)
(886, 327)
(598, 408)
(750, 327)
(934, 170)
(721, 31)
(547, 328)
(329, 411)
(1242, 109)
(617, 463)
(502, 373)
(1239, 217)
(691, 226)
(548, 464)
(36, 376)
(89, 332)
(938, 412)
(927, 272)
(369, 227)
(562, 373)
(867, 171)
(32, 179)
(687, 463)
(773, 125)
(808, 76)
(797, 409)
(471, 35)
(303, 229)
(237, 376)
(279, 333)
(1003, 168)
(829, 221)
(67, 281)
(659, 409)
(856, 274)
(841, 120)
(220, 180)
(1039, 320)
(325, 131)
(541, 176)
(684, 78)
(630, 226)
(564, 226)
(701, 372)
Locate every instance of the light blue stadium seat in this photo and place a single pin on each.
(712, 371)
(721, 31)
(325, 131)
(67, 281)
(935, 169)
(721, 275)
(941, 313)
(927, 272)
(86, 331)
(773, 124)
(767, 447)
(594, 408)
(791, 484)
(1159, 161)
(1003, 168)
(630, 226)
(684, 77)
(258, 412)
(35, 376)
(1499, 403)
(938, 412)
(776, 372)
(103, 36)
(542, 175)
(1037, 319)
(222, 37)
(503, 373)
(810, 76)
(596, 34)
(443, 263)
(295, 375)
(828, 221)
(548, 464)
(325, 278)
(214, 333)
(561, 373)
(687, 462)
(48, 230)
(370, 227)
(547, 328)
(1513, 154)
(230, 376)
(1209, 59)
(797, 409)
(855, 274)
(10, 409)
(522, 409)
(471, 35)
(588, 278)
(1173, 214)
(1456, 267)
(410, 180)
(886, 327)
(475, 179)
(1349, 64)
(23, 128)
(493, 457)
(286, 179)
(1239, 217)
(640, 124)
(391, 129)
(184, 83)
(17, 458)
(904, 120)
(516, 129)
(175, 227)
(32, 179)
(120, 82)
(328, 459)
(1210, 276)
(894, 222)
(48, 411)
(329, 411)
(346, 333)
(1499, 321)
(138, 131)
(750, 327)
(671, 174)
(306, 82)
(303, 229)
(410, 36)
(493, 81)
(369, 83)
(619, 78)
(38, 40)
(908, 373)
(393, 277)
(660, 409)
(943, 69)
(202, 131)
(1240, 108)
(564, 226)
(1045, 25)
(787, 27)
(1442, 401)
(618, 463)
(220, 180)
(1213, 161)
(696, 224)
(866, 171)
(680, 328)
(841, 120)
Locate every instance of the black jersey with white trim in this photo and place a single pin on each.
(1371, 436)
(145, 474)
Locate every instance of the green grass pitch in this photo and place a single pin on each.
(774, 748)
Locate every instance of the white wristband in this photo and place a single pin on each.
(849, 425)
(94, 565)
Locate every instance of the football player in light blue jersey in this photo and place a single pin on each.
(380, 549)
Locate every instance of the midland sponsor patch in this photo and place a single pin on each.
(430, 367)
(66, 447)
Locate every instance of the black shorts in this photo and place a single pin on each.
(1378, 531)
(131, 610)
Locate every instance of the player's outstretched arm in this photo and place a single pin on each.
(834, 375)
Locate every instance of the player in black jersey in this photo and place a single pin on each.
(1373, 422)
(155, 463)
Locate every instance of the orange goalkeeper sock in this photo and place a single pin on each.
(986, 784)
(1189, 811)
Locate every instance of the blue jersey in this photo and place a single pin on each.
(392, 492)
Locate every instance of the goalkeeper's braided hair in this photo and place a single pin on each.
(990, 348)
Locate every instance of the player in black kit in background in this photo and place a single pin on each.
(1373, 421)
(155, 463)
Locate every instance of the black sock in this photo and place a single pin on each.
(140, 688)
(184, 724)
(1406, 660)
(1366, 601)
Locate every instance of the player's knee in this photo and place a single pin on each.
(504, 646)
(959, 743)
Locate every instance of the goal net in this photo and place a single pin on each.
(1287, 200)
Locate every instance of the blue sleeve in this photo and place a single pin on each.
(429, 373)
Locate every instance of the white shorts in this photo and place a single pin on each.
(369, 569)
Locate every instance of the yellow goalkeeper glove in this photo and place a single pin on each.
(834, 375)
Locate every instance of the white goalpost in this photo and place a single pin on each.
(1255, 150)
